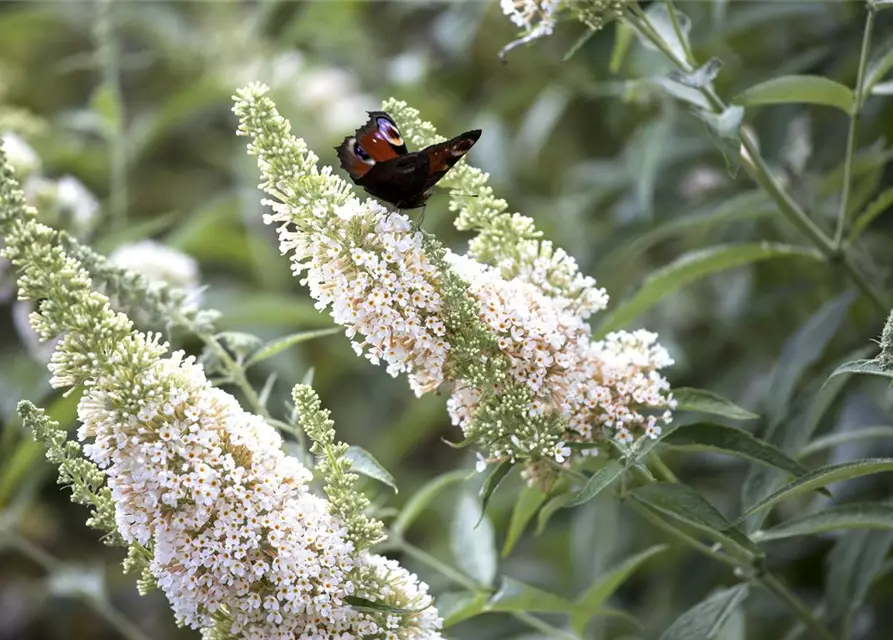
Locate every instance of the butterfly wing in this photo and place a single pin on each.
(379, 140)
(442, 156)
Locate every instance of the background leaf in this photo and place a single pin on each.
(804, 89)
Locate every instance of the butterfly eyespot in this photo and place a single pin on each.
(389, 131)
(361, 153)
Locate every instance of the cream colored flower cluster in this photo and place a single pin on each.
(611, 385)
(235, 532)
(368, 266)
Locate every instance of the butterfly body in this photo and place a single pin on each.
(376, 158)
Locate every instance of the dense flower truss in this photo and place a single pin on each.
(235, 532)
(505, 327)
(613, 383)
(235, 540)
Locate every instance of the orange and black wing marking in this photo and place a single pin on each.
(378, 140)
(442, 156)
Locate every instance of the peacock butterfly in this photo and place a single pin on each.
(376, 159)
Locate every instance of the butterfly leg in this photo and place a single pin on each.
(421, 218)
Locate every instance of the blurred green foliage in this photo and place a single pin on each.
(135, 101)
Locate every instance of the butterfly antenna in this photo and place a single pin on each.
(463, 195)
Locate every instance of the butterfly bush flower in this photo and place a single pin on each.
(593, 385)
(508, 320)
(230, 530)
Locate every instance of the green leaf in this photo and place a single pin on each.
(701, 77)
(492, 482)
(798, 89)
(706, 619)
(803, 349)
(734, 441)
(365, 463)
(725, 131)
(880, 64)
(472, 541)
(878, 206)
(853, 565)
(526, 506)
(598, 482)
(684, 504)
(821, 477)
(422, 498)
(703, 401)
(834, 439)
(692, 267)
(106, 103)
(275, 347)
(848, 516)
(514, 595)
(363, 604)
(873, 367)
(592, 600)
(457, 606)
(554, 504)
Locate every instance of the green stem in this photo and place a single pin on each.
(778, 588)
(662, 469)
(237, 373)
(854, 128)
(761, 173)
(677, 29)
(107, 54)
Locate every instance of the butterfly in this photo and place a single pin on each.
(376, 159)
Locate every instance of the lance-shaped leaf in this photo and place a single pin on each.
(821, 477)
(870, 515)
(706, 619)
(365, 463)
(363, 604)
(493, 481)
(703, 401)
(798, 89)
(873, 367)
(458, 606)
(734, 441)
(528, 503)
(598, 482)
(423, 497)
(276, 347)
